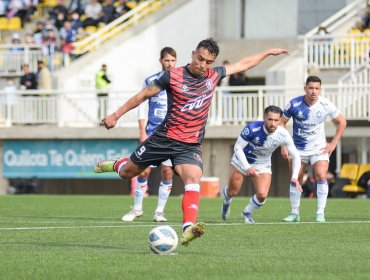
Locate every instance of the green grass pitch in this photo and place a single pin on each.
(82, 237)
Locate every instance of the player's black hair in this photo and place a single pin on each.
(210, 45)
(313, 79)
(168, 50)
(273, 109)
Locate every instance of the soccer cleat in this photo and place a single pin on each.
(192, 232)
(320, 218)
(248, 218)
(159, 217)
(225, 210)
(292, 218)
(104, 166)
(130, 216)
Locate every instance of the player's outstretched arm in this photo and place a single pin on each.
(251, 61)
(147, 92)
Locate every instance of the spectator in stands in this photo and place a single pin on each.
(17, 8)
(3, 8)
(44, 80)
(68, 35)
(121, 8)
(76, 22)
(51, 45)
(28, 39)
(101, 85)
(60, 20)
(366, 17)
(39, 32)
(31, 8)
(93, 12)
(238, 79)
(28, 79)
(108, 12)
(58, 8)
(14, 57)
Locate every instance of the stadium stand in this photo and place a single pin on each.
(353, 189)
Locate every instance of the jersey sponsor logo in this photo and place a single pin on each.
(300, 115)
(287, 107)
(256, 140)
(185, 88)
(197, 157)
(275, 143)
(140, 152)
(297, 104)
(193, 206)
(256, 129)
(197, 103)
(209, 84)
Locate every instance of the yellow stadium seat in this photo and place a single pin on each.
(50, 3)
(131, 4)
(3, 23)
(14, 23)
(354, 188)
(349, 171)
(90, 29)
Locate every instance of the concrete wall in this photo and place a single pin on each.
(217, 150)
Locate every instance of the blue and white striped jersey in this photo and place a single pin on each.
(155, 108)
(309, 122)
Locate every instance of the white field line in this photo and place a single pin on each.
(138, 225)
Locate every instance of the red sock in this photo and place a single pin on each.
(190, 203)
(119, 162)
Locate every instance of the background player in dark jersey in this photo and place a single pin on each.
(151, 114)
(189, 93)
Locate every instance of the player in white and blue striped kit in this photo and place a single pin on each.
(309, 113)
(151, 114)
(252, 157)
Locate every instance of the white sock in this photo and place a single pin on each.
(227, 199)
(253, 204)
(140, 190)
(322, 195)
(163, 194)
(295, 199)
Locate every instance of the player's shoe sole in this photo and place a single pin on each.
(292, 218)
(192, 232)
(104, 166)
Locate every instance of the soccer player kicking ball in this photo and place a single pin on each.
(309, 113)
(252, 158)
(190, 90)
(151, 114)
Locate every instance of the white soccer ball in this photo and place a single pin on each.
(163, 240)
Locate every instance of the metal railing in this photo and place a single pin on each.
(337, 51)
(231, 105)
(115, 27)
(13, 56)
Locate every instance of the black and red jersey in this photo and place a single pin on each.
(188, 102)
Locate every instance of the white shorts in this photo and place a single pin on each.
(167, 162)
(262, 167)
(313, 158)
